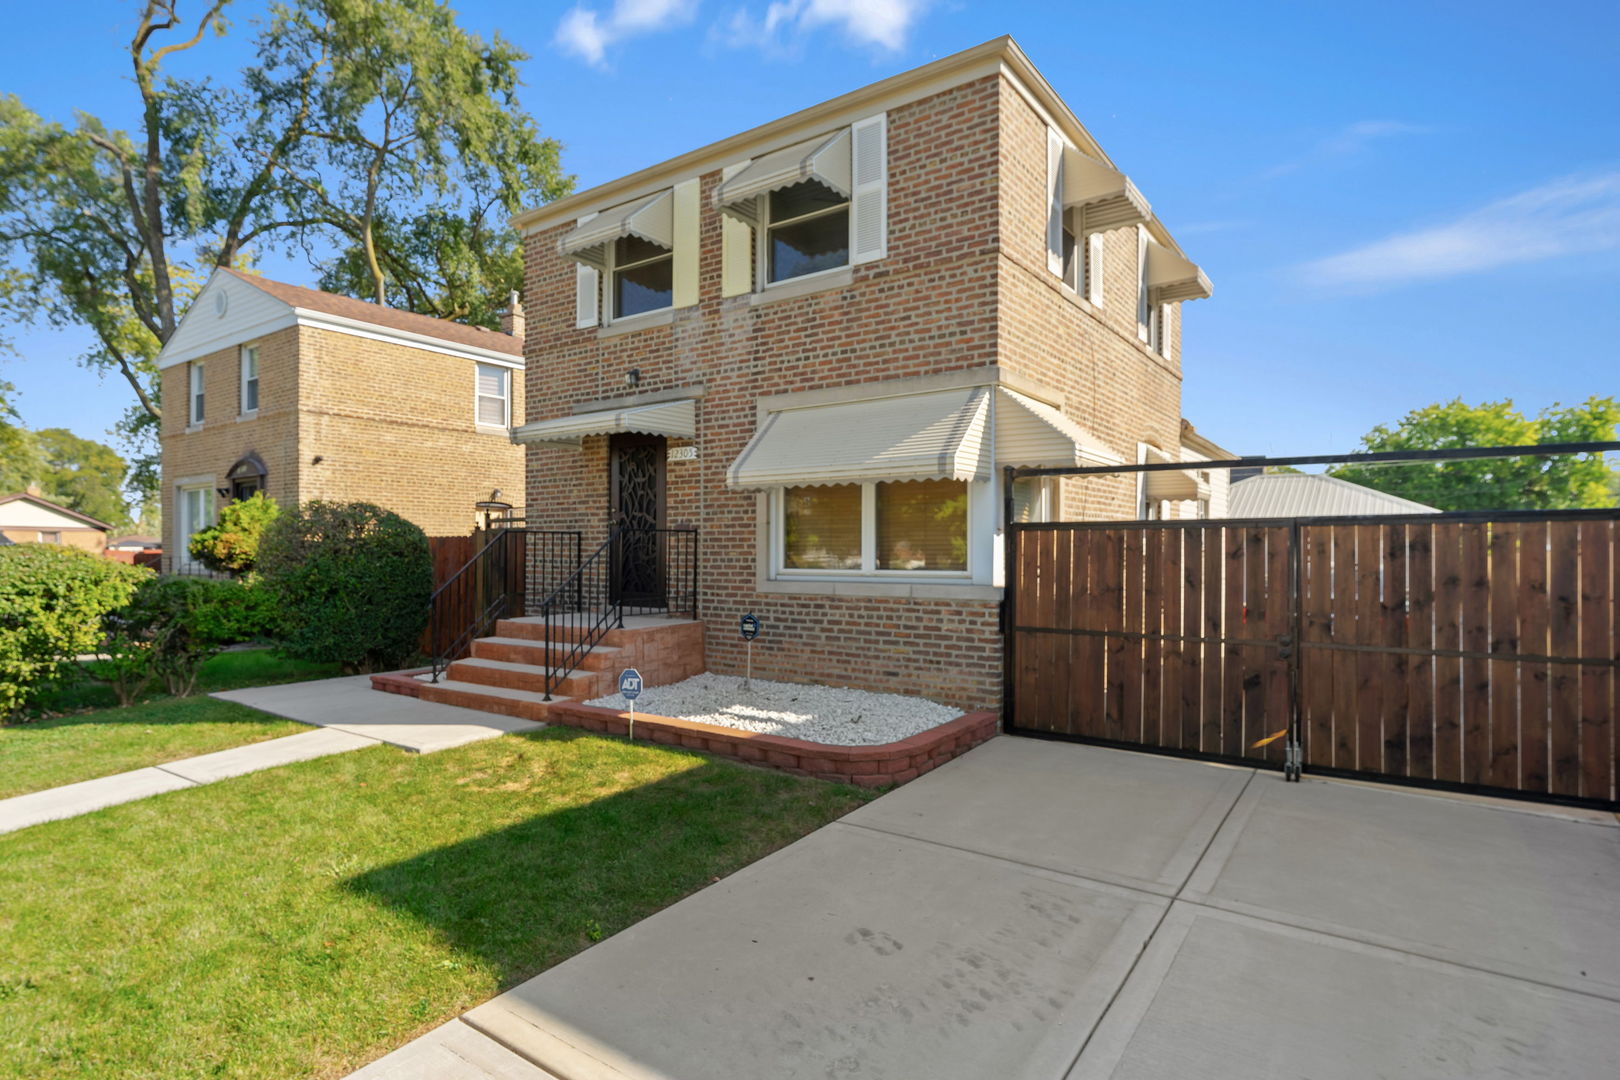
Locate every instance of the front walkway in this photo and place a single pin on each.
(1058, 912)
(350, 713)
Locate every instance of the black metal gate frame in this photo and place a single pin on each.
(1289, 646)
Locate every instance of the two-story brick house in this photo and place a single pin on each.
(818, 342)
(308, 395)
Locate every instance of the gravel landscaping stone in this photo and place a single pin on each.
(834, 715)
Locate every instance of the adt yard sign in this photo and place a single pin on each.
(630, 689)
(749, 624)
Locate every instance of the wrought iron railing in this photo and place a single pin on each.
(493, 584)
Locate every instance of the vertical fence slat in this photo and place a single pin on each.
(1087, 678)
(1171, 652)
(1192, 672)
(1113, 596)
(1564, 639)
(1233, 626)
(1504, 756)
(1131, 657)
(1062, 619)
(1151, 617)
(1392, 539)
(1447, 546)
(1420, 635)
(1278, 622)
(1345, 687)
(1597, 639)
(1476, 686)
(1316, 664)
(1027, 592)
(1534, 620)
(1369, 614)
(1212, 701)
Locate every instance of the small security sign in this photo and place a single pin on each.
(750, 626)
(630, 684)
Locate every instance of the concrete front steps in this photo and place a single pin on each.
(506, 672)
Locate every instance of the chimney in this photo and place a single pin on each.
(512, 317)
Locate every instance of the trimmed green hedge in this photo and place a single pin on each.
(52, 601)
(351, 581)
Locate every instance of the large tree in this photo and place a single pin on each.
(82, 474)
(375, 136)
(1553, 482)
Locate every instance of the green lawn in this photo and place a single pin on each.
(227, 671)
(302, 921)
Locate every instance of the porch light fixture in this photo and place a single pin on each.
(633, 377)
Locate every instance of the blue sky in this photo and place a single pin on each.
(1398, 202)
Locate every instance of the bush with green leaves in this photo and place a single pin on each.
(52, 600)
(231, 544)
(183, 622)
(352, 583)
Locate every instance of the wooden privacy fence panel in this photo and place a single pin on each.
(1467, 651)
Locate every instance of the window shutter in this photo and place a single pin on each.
(1094, 269)
(1054, 201)
(869, 197)
(587, 292)
(1141, 285)
(736, 247)
(685, 221)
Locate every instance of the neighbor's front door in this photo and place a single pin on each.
(636, 494)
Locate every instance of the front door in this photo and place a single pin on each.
(636, 493)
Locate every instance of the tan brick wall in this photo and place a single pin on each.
(84, 539)
(963, 285)
(393, 425)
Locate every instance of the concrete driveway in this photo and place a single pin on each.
(1056, 912)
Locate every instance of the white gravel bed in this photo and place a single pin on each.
(834, 715)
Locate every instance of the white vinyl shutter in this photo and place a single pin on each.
(685, 227)
(587, 291)
(736, 247)
(869, 195)
(1054, 201)
(1094, 269)
(1141, 284)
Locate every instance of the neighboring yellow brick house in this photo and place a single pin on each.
(27, 517)
(308, 395)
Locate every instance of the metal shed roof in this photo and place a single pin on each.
(1313, 495)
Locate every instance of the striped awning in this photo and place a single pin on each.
(1172, 277)
(826, 159)
(938, 435)
(677, 419)
(1172, 484)
(1106, 196)
(651, 218)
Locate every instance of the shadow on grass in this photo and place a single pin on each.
(526, 897)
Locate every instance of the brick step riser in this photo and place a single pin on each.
(534, 680)
(484, 649)
(445, 695)
(537, 632)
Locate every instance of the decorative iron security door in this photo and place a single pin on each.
(636, 488)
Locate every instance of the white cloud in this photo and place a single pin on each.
(1346, 142)
(882, 23)
(1565, 217)
(588, 34)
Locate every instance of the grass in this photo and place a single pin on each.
(83, 745)
(305, 920)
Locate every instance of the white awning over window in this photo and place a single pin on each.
(1172, 277)
(651, 218)
(677, 419)
(1172, 484)
(933, 436)
(1106, 195)
(825, 159)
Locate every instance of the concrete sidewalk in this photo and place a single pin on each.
(1056, 912)
(349, 713)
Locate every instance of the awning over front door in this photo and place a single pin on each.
(677, 419)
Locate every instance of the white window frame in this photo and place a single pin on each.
(868, 570)
(1143, 301)
(185, 528)
(762, 243)
(49, 536)
(1046, 502)
(607, 302)
(249, 358)
(505, 399)
(196, 395)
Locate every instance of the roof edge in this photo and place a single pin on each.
(58, 507)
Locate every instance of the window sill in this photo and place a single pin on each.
(825, 281)
(918, 590)
(192, 429)
(252, 415)
(493, 429)
(662, 317)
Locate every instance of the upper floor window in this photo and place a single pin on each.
(494, 393)
(807, 231)
(196, 413)
(643, 277)
(250, 379)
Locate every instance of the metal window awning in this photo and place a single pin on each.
(651, 218)
(677, 419)
(826, 159)
(1172, 277)
(1106, 196)
(1172, 484)
(931, 436)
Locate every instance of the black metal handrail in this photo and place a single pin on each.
(492, 585)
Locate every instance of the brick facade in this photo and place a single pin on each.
(391, 424)
(964, 285)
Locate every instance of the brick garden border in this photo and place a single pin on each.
(868, 766)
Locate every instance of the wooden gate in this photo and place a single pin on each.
(1470, 651)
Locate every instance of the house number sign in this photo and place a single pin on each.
(681, 453)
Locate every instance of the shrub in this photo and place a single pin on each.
(52, 600)
(231, 545)
(183, 622)
(352, 583)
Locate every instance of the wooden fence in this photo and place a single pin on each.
(1464, 652)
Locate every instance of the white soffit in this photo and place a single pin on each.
(1107, 196)
(1174, 485)
(1032, 434)
(651, 218)
(677, 419)
(934, 436)
(826, 159)
(1173, 277)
